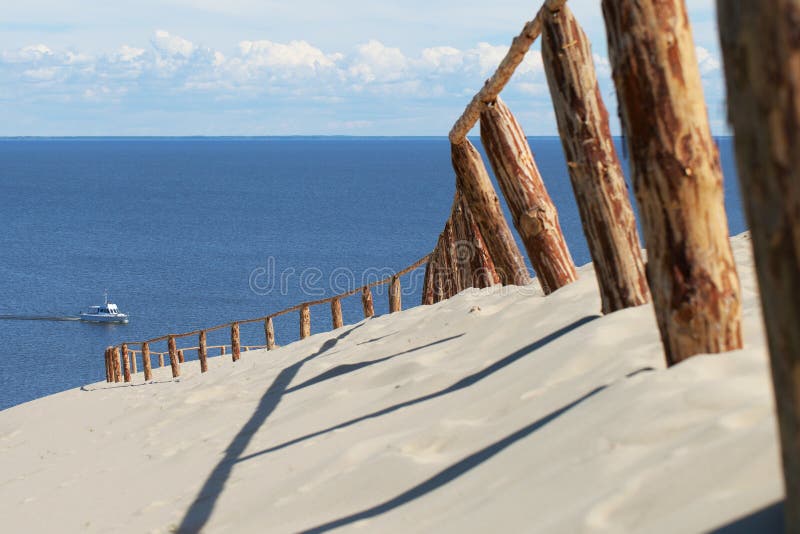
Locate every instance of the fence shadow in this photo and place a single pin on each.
(200, 510)
(454, 471)
(764, 521)
(459, 385)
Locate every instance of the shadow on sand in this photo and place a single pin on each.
(765, 521)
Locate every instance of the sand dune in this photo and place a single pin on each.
(498, 410)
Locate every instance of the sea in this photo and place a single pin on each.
(188, 233)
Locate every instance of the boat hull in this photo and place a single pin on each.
(94, 318)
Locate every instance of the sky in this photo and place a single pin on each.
(288, 67)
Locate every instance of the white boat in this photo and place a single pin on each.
(107, 313)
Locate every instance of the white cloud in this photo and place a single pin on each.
(292, 54)
(706, 61)
(172, 45)
(376, 62)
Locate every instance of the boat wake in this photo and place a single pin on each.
(40, 317)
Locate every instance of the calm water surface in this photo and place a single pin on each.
(178, 229)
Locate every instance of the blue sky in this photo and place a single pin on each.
(264, 67)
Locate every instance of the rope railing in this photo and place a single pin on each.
(121, 360)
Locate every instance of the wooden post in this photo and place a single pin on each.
(173, 357)
(428, 289)
(336, 313)
(366, 303)
(222, 350)
(474, 265)
(202, 352)
(109, 368)
(305, 321)
(594, 168)
(161, 359)
(134, 367)
(676, 176)
(235, 350)
(115, 356)
(269, 333)
(181, 359)
(146, 363)
(534, 214)
(395, 295)
(760, 49)
(126, 363)
(473, 181)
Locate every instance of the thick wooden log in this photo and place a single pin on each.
(676, 176)
(473, 181)
(161, 359)
(126, 363)
(269, 333)
(474, 263)
(181, 358)
(366, 303)
(134, 368)
(115, 357)
(235, 347)
(305, 322)
(761, 51)
(202, 351)
(534, 214)
(147, 365)
(173, 357)
(395, 295)
(441, 274)
(594, 167)
(336, 313)
(222, 350)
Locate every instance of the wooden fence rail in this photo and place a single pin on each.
(119, 358)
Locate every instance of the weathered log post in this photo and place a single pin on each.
(161, 359)
(305, 321)
(395, 295)
(134, 367)
(366, 302)
(269, 333)
(761, 50)
(473, 181)
(474, 265)
(336, 313)
(594, 168)
(173, 357)
(115, 357)
(181, 358)
(146, 363)
(202, 351)
(676, 176)
(126, 363)
(109, 368)
(235, 347)
(534, 214)
(428, 283)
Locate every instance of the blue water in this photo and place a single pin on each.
(181, 232)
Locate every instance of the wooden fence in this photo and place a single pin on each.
(121, 360)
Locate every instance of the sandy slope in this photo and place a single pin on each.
(491, 411)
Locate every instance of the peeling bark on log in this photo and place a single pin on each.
(146, 363)
(173, 357)
(235, 346)
(474, 183)
(761, 50)
(305, 322)
(366, 303)
(269, 333)
(594, 168)
(677, 177)
(126, 363)
(535, 215)
(202, 352)
(336, 314)
(395, 295)
(460, 259)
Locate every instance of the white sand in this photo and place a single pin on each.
(553, 422)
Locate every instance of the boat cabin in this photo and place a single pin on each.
(106, 308)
